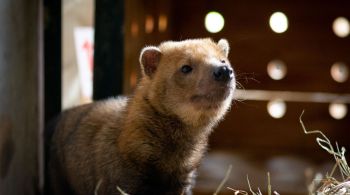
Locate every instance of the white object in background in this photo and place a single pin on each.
(214, 22)
(341, 27)
(278, 22)
(276, 69)
(338, 110)
(276, 108)
(340, 72)
(84, 47)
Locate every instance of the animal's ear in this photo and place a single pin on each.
(224, 46)
(149, 60)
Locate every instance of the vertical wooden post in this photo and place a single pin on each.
(52, 57)
(109, 48)
(20, 90)
(53, 68)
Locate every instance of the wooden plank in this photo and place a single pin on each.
(248, 126)
(291, 96)
(19, 101)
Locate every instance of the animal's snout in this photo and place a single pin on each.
(223, 73)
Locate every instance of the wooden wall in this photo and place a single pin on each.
(136, 36)
(20, 102)
(309, 48)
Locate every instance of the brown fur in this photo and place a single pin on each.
(152, 142)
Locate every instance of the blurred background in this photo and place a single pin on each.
(288, 56)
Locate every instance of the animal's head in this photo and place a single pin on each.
(192, 79)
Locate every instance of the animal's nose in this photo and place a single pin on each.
(223, 73)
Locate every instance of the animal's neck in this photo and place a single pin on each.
(167, 132)
(168, 126)
(177, 135)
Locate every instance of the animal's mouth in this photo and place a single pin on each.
(212, 99)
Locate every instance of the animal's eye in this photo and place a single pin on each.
(186, 69)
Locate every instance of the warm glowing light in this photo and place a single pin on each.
(338, 110)
(278, 22)
(162, 23)
(134, 29)
(340, 72)
(276, 69)
(214, 22)
(149, 24)
(277, 108)
(341, 27)
(133, 79)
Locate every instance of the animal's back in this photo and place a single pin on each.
(84, 140)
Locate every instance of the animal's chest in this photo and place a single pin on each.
(173, 163)
(180, 155)
(158, 181)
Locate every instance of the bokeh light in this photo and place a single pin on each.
(149, 24)
(341, 27)
(276, 108)
(276, 69)
(338, 110)
(278, 22)
(162, 23)
(340, 72)
(214, 22)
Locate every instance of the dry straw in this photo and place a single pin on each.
(242, 192)
(330, 185)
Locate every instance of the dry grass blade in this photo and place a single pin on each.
(268, 184)
(121, 191)
(250, 188)
(333, 187)
(228, 172)
(330, 185)
(238, 192)
(339, 155)
(276, 193)
(242, 192)
(97, 187)
(99, 184)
